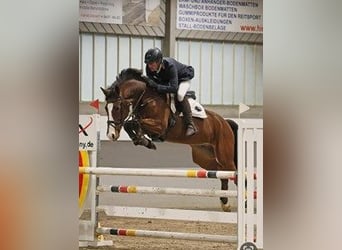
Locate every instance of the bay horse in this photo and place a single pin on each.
(141, 110)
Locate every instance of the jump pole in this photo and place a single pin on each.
(167, 235)
(157, 172)
(168, 191)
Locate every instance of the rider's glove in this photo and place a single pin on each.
(152, 83)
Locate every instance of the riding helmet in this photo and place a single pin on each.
(153, 55)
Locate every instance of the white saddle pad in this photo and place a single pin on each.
(196, 108)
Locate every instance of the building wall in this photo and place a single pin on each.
(225, 73)
(103, 56)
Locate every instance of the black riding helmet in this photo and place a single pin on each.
(153, 55)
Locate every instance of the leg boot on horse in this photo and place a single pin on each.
(187, 116)
(134, 131)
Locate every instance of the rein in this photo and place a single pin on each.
(131, 113)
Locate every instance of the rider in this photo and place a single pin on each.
(171, 76)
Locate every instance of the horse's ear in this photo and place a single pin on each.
(106, 92)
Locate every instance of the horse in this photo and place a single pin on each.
(131, 103)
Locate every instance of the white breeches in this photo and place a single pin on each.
(182, 89)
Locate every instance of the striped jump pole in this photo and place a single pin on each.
(158, 172)
(234, 178)
(168, 191)
(166, 235)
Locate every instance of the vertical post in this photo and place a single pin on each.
(94, 178)
(241, 185)
(92, 194)
(250, 215)
(170, 27)
(97, 164)
(98, 241)
(90, 237)
(260, 190)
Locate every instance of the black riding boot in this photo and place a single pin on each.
(187, 116)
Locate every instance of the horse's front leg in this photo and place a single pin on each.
(131, 127)
(135, 132)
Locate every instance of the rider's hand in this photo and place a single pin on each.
(152, 84)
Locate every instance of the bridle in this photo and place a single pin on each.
(117, 124)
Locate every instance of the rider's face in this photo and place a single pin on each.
(153, 66)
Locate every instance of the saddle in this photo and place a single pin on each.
(197, 109)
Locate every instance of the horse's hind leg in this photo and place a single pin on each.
(204, 156)
(136, 134)
(224, 150)
(224, 200)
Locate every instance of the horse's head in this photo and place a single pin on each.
(121, 98)
(117, 110)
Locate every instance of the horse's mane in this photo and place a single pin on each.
(128, 74)
(125, 75)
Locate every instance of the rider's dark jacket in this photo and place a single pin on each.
(170, 75)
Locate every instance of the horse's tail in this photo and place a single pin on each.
(234, 127)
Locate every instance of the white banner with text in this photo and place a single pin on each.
(220, 15)
(101, 11)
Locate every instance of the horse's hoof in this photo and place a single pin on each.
(226, 207)
(136, 141)
(151, 145)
